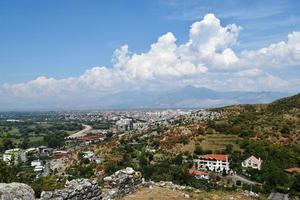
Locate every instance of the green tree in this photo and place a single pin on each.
(8, 173)
(8, 144)
(229, 148)
(200, 131)
(198, 150)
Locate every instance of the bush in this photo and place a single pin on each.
(198, 150)
(200, 131)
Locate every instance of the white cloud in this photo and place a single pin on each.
(205, 60)
(280, 54)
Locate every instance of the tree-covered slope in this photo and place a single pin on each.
(277, 122)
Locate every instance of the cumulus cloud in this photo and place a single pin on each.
(280, 54)
(206, 59)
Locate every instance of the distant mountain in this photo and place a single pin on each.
(187, 97)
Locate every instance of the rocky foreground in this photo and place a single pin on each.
(119, 184)
(123, 183)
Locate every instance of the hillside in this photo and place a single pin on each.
(277, 122)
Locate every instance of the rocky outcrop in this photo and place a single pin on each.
(16, 191)
(168, 184)
(75, 190)
(117, 185)
(121, 183)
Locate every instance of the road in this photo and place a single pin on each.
(237, 177)
(82, 132)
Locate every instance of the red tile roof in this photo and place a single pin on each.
(254, 159)
(215, 157)
(196, 172)
(294, 169)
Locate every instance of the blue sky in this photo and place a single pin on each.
(64, 38)
(54, 50)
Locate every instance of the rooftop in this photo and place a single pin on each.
(215, 157)
(293, 169)
(197, 172)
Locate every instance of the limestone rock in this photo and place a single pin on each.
(75, 189)
(122, 182)
(16, 191)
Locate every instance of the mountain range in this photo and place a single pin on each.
(187, 97)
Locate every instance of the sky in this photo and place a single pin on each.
(60, 49)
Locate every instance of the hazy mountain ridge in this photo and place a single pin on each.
(187, 97)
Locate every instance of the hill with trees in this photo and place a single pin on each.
(277, 122)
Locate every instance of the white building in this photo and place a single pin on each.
(14, 156)
(38, 168)
(252, 162)
(213, 162)
(35, 163)
(88, 154)
(38, 165)
(124, 125)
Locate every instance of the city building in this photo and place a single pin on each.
(252, 162)
(213, 162)
(124, 124)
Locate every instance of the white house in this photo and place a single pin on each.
(38, 168)
(213, 162)
(14, 156)
(252, 162)
(35, 163)
(88, 154)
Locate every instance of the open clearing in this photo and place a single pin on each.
(217, 142)
(158, 193)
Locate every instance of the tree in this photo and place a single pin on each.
(198, 150)
(229, 148)
(210, 131)
(178, 159)
(55, 139)
(286, 129)
(8, 144)
(296, 184)
(184, 140)
(200, 131)
(275, 176)
(8, 173)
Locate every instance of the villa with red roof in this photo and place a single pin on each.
(293, 170)
(198, 174)
(252, 162)
(213, 162)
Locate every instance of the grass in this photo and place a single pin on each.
(218, 142)
(158, 193)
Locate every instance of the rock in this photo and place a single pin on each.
(121, 183)
(75, 189)
(16, 191)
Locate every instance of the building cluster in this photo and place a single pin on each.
(220, 163)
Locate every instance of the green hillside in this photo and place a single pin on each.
(277, 122)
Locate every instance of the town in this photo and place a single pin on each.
(101, 143)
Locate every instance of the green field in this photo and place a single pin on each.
(218, 142)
